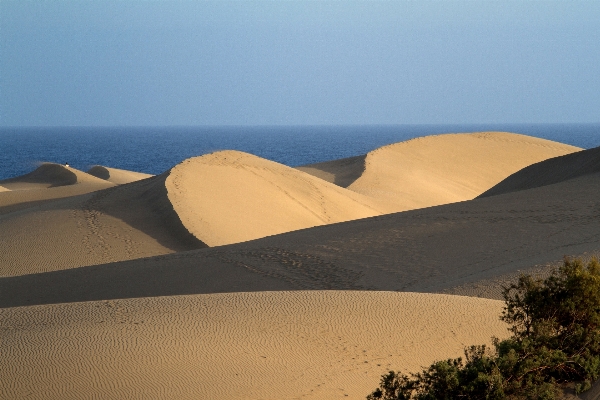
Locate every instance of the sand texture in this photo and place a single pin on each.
(550, 171)
(277, 345)
(438, 169)
(115, 175)
(230, 196)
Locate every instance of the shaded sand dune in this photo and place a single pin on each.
(230, 196)
(119, 223)
(550, 171)
(115, 175)
(464, 245)
(270, 345)
(342, 172)
(438, 169)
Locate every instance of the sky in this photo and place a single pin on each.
(163, 63)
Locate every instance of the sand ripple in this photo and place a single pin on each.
(269, 345)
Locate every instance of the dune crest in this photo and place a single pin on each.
(268, 345)
(115, 175)
(438, 169)
(231, 196)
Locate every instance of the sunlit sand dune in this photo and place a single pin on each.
(115, 175)
(3, 189)
(269, 345)
(438, 169)
(474, 245)
(230, 196)
(548, 172)
(215, 199)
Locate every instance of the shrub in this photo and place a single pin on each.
(555, 326)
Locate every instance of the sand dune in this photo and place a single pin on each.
(47, 182)
(49, 175)
(550, 171)
(230, 196)
(3, 189)
(466, 245)
(115, 175)
(438, 169)
(270, 345)
(119, 223)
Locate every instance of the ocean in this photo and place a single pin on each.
(155, 149)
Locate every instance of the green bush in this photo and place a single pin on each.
(555, 326)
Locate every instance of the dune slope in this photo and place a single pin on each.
(550, 171)
(115, 175)
(118, 223)
(270, 345)
(230, 196)
(437, 169)
(3, 189)
(469, 244)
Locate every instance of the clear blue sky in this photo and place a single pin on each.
(298, 62)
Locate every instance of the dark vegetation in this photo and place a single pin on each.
(555, 345)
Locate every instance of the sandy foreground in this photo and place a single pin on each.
(214, 279)
(269, 345)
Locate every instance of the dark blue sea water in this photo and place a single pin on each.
(156, 149)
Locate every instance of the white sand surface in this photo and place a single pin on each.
(266, 345)
(115, 175)
(439, 169)
(231, 196)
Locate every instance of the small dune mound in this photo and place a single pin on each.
(3, 189)
(265, 345)
(548, 172)
(342, 172)
(447, 168)
(231, 196)
(48, 175)
(115, 175)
